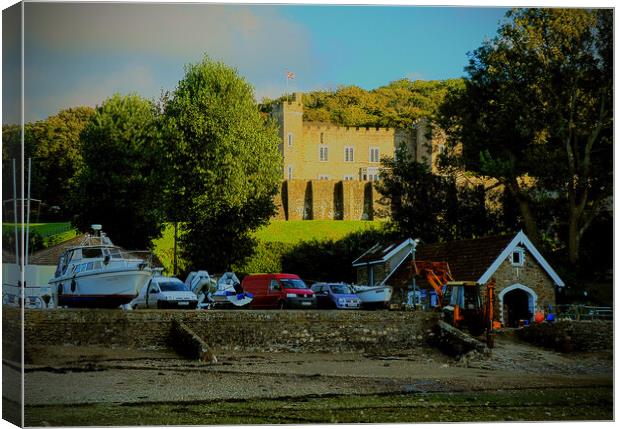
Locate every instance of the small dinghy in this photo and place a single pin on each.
(225, 292)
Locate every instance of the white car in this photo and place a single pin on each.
(165, 292)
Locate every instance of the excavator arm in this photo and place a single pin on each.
(437, 274)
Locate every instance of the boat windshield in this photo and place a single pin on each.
(173, 287)
(293, 284)
(91, 252)
(341, 289)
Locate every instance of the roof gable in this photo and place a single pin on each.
(521, 239)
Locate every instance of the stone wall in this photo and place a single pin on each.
(531, 275)
(328, 200)
(248, 330)
(567, 336)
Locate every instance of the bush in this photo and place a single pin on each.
(331, 260)
(267, 258)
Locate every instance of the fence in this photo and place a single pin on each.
(583, 312)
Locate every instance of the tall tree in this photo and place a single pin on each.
(57, 153)
(225, 164)
(119, 184)
(536, 114)
(432, 207)
(55, 148)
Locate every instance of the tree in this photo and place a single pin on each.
(119, 184)
(225, 165)
(397, 104)
(536, 114)
(432, 207)
(56, 150)
(57, 153)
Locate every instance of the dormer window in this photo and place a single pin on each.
(517, 257)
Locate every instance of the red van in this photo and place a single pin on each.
(278, 291)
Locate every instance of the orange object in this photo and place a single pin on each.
(496, 324)
(539, 317)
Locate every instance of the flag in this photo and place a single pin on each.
(290, 75)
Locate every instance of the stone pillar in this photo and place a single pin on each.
(296, 191)
(323, 199)
(352, 199)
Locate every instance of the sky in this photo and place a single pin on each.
(80, 54)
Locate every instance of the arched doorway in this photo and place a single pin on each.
(517, 302)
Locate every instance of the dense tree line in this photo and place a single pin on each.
(397, 104)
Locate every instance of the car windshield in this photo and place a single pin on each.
(341, 289)
(293, 284)
(172, 286)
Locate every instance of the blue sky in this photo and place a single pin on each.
(80, 54)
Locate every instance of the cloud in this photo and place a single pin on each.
(243, 35)
(90, 90)
(80, 53)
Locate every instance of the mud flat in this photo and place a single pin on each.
(88, 385)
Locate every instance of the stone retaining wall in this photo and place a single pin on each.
(296, 331)
(567, 336)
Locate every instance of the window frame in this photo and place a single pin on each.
(372, 150)
(346, 154)
(517, 251)
(322, 148)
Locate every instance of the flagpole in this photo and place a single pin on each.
(286, 77)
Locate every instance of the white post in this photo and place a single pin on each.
(28, 214)
(15, 213)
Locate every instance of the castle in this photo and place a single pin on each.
(328, 169)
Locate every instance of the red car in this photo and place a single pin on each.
(278, 291)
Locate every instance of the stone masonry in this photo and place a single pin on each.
(248, 330)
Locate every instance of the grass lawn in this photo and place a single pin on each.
(45, 229)
(277, 231)
(294, 231)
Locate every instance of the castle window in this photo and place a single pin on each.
(323, 177)
(517, 258)
(290, 139)
(348, 154)
(290, 172)
(322, 153)
(373, 174)
(322, 138)
(348, 177)
(374, 154)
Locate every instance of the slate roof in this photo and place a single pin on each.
(378, 252)
(468, 259)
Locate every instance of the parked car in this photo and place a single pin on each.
(165, 292)
(278, 291)
(336, 295)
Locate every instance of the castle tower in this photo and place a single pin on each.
(289, 115)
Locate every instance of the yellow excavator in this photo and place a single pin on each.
(460, 301)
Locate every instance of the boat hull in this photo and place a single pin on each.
(105, 289)
(374, 297)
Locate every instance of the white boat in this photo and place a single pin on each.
(99, 274)
(373, 296)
